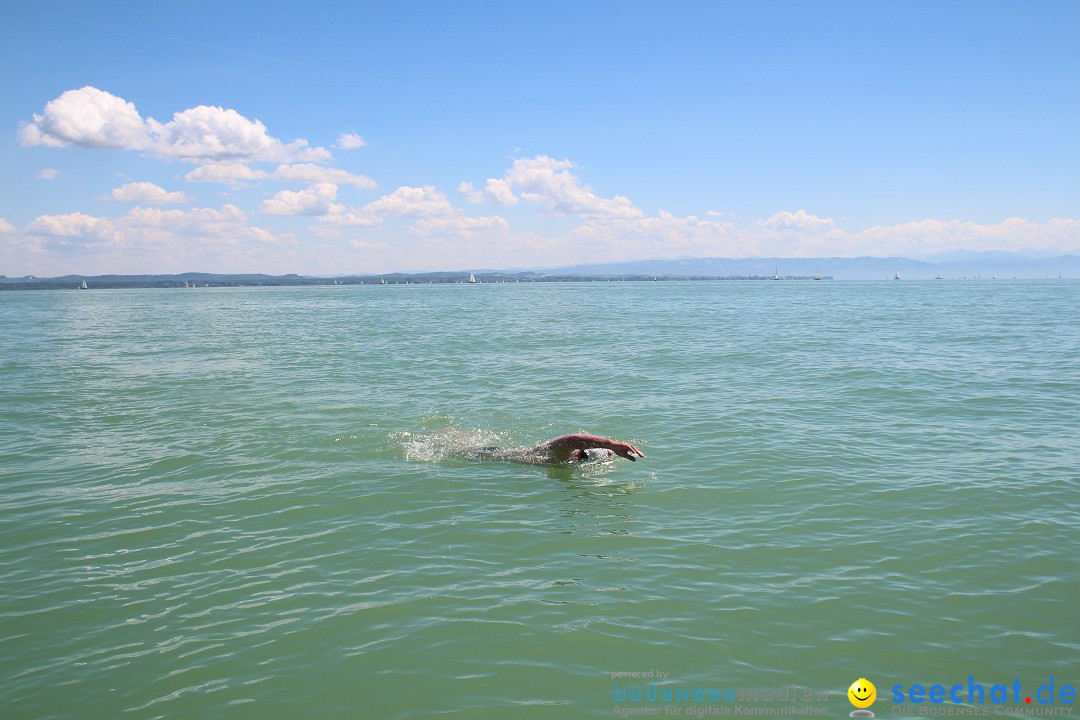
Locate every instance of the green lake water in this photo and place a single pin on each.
(255, 502)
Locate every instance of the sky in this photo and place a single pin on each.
(357, 137)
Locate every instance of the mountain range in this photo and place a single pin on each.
(954, 265)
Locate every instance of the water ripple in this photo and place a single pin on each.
(258, 500)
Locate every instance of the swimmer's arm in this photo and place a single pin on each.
(570, 447)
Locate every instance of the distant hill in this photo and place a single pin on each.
(1003, 265)
(950, 266)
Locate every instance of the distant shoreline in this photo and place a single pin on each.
(953, 266)
(204, 280)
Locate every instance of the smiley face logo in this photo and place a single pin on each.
(862, 693)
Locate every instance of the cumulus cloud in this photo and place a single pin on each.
(79, 225)
(312, 173)
(227, 173)
(6, 227)
(461, 225)
(150, 239)
(350, 218)
(798, 220)
(71, 225)
(87, 117)
(432, 212)
(205, 219)
(496, 190)
(90, 117)
(548, 182)
(219, 134)
(49, 174)
(800, 234)
(147, 192)
(350, 141)
(235, 174)
(411, 202)
(318, 199)
(665, 235)
(931, 236)
(368, 245)
(613, 228)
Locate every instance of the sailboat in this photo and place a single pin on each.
(382, 281)
(472, 278)
(817, 273)
(776, 274)
(938, 275)
(896, 275)
(83, 286)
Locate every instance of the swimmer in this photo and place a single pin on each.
(568, 449)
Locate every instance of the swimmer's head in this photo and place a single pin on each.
(591, 454)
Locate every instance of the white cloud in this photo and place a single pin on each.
(411, 202)
(147, 192)
(311, 173)
(151, 239)
(548, 182)
(203, 219)
(930, 236)
(350, 141)
(235, 174)
(90, 117)
(662, 236)
(351, 219)
(432, 211)
(49, 174)
(461, 225)
(800, 234)
(87, 117)
(317, 199)
(798, 220)
(71, 225)
(228, 173)
(496, 190)
(228, 148)
(210, 133)
(148, 239)
(79, 225)
(366, 245)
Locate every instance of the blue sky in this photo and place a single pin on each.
(329, 137)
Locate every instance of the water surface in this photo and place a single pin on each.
(248, 502)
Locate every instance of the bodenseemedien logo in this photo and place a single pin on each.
(862, 694)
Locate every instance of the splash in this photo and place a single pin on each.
(479, 444)
(448, 443)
